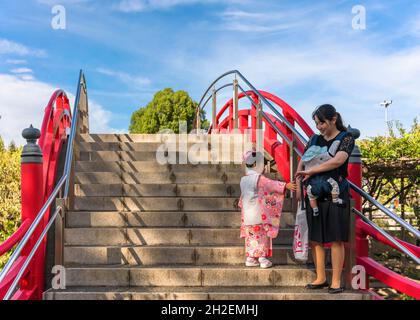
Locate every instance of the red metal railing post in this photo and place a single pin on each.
(32, 199)
(355, 176)
(243, 122)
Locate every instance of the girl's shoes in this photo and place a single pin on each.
(265, 263)
(251, 262)
(262, 262)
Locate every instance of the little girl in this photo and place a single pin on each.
(261, 202)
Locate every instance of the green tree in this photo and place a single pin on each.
(165, 111)
(1, 145)
(9, 193)
(403, 144)
(392, 166)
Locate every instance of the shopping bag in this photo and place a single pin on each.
(300, 240)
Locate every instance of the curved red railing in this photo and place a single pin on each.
(56, 121)
(280, 151)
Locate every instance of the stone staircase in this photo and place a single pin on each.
(137, 229)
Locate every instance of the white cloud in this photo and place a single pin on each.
(63, 2)
(21, 70)
(276, 20)
(16, 61)
(144, 5)
(26, 77)
(11, 47)
(133, 81)
(23, 102)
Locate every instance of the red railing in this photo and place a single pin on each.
(38, 182)
(280, 151)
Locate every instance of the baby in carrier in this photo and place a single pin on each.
(323, 184)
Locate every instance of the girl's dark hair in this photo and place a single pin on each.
(328, 112)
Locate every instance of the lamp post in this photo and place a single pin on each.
(386, 104)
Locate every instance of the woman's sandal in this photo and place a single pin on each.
(335, 290)
(317, 286)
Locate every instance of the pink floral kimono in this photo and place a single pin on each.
(258, 237)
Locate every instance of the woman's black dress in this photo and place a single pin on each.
(332, 223)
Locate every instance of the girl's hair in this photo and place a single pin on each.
(328, 112)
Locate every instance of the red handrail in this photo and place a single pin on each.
(57, 119)
(369, 231)
(280, 152)
(390, 278)
(10, 242)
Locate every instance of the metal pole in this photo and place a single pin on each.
(235, 104)
(214, 106)
(259, 136)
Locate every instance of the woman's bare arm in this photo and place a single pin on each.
(298, 182)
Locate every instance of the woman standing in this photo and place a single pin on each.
(331, 223)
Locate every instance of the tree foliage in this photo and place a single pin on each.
(9, 192)
(165, 111)
(392, 166)
(400, 144)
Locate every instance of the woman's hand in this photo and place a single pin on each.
(306, 174)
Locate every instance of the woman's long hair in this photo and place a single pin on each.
(328, 112)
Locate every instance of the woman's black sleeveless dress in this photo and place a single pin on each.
(332, 223)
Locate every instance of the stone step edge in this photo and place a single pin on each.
(303, 266)
(165, 246)
(201, 289)
(166, 228)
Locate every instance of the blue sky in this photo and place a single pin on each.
(306, 52)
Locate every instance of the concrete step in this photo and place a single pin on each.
(195, 177)
(208, 150)
(162, 236)
(199, 293)
(153, 166)
(160, 204)
(157, 190)
(173, 158)
(190, 276)
(147, 146)
(167, 255)
(84, 219)
(155, 138)
(154, 204)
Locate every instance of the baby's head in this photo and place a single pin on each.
(254, 160)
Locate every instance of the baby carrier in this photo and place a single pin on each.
(316, 155)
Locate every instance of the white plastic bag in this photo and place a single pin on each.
(300, 240)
